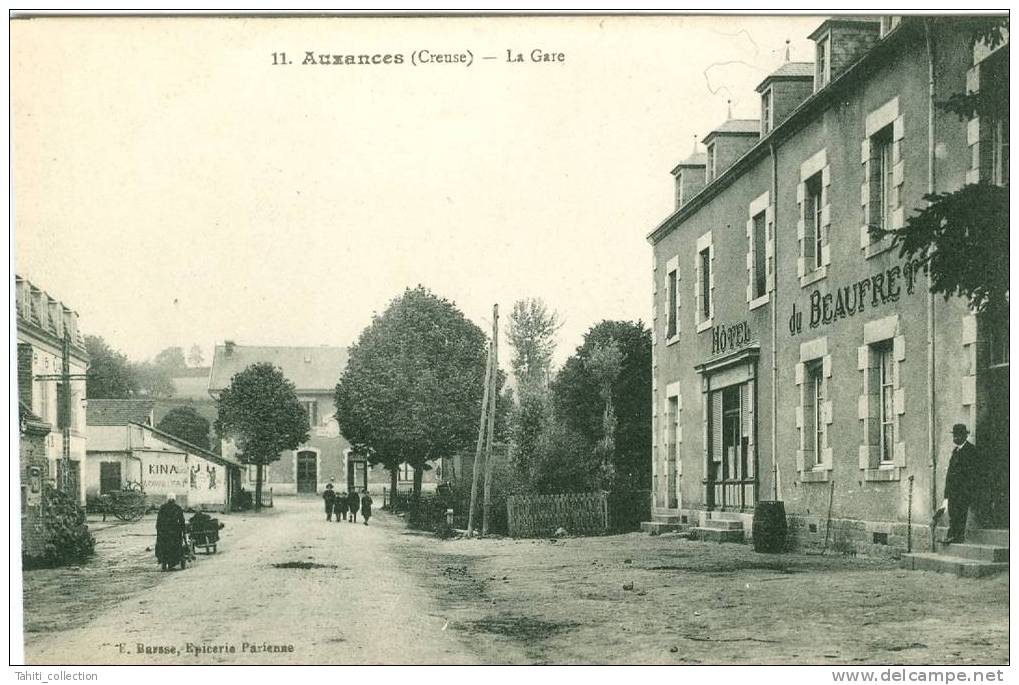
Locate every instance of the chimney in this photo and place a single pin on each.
(228, 346)
(727, 143)
(783, 91)
(841, 41)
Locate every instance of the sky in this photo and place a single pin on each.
(175, 187)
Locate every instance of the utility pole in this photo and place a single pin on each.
(477, 451)
(65, 400)
(493, 395)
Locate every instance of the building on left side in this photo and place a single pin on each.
(49, 345)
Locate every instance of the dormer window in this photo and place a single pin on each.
(766, 112)
(823, 62)
(888, 23)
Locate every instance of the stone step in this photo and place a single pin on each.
(958, 566)
(989, 536)
(727, 516)
(978, 552)
(667, 518)
(723, 524)
(658, 527)
(717, 534)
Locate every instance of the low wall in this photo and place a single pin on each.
(540, 515)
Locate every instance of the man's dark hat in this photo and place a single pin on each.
(960, 428)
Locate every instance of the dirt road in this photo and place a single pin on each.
(383, 594)
(351, 602)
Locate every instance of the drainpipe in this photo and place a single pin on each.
(931, 185)
(774, 320)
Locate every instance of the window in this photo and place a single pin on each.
(405, 472)
(888, 23)
(886, 395)
(812, 413)
(997, 343)
(705, 262)
(760, 238)
(311, 409)
(712, 159)
(670, 317)
(766, 112)
(823, 59)
(672, 453)
(812, 223)
(999, 151)
(881, 184)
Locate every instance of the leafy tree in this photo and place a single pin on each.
(532, 330)
(411, 391)
(195, 356)
(961, 237)
(186, 424)
(171, 359)
(579, 389)
(604, 364)
(153, 380)
(110, 374)
(260, 412)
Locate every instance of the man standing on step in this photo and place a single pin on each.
(961, 483)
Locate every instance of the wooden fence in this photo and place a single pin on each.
(585, 513)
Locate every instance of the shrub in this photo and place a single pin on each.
(67, 537)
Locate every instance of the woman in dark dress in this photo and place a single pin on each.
(170, 534)
(366, 506)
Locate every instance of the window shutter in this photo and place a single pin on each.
(716, 426)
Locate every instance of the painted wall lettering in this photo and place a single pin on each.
(725, 338)
(874, 291)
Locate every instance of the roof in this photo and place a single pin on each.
(104, 412)
(789, 71)
(696, 159)
(864, 66)
(194, 449)
(308, 368)
(192, 372)
(30, 422)
(737, 127)
(844, 21)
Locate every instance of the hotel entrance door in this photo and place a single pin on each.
(732, 479)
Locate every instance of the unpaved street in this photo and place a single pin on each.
(383, 594)
(354, 605)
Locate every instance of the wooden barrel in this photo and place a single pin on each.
(769, 528)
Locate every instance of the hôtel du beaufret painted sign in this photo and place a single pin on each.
(878, 289)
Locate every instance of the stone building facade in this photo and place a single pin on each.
(795, 357)
(45, 328)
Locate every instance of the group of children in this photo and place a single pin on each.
(342, 503)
